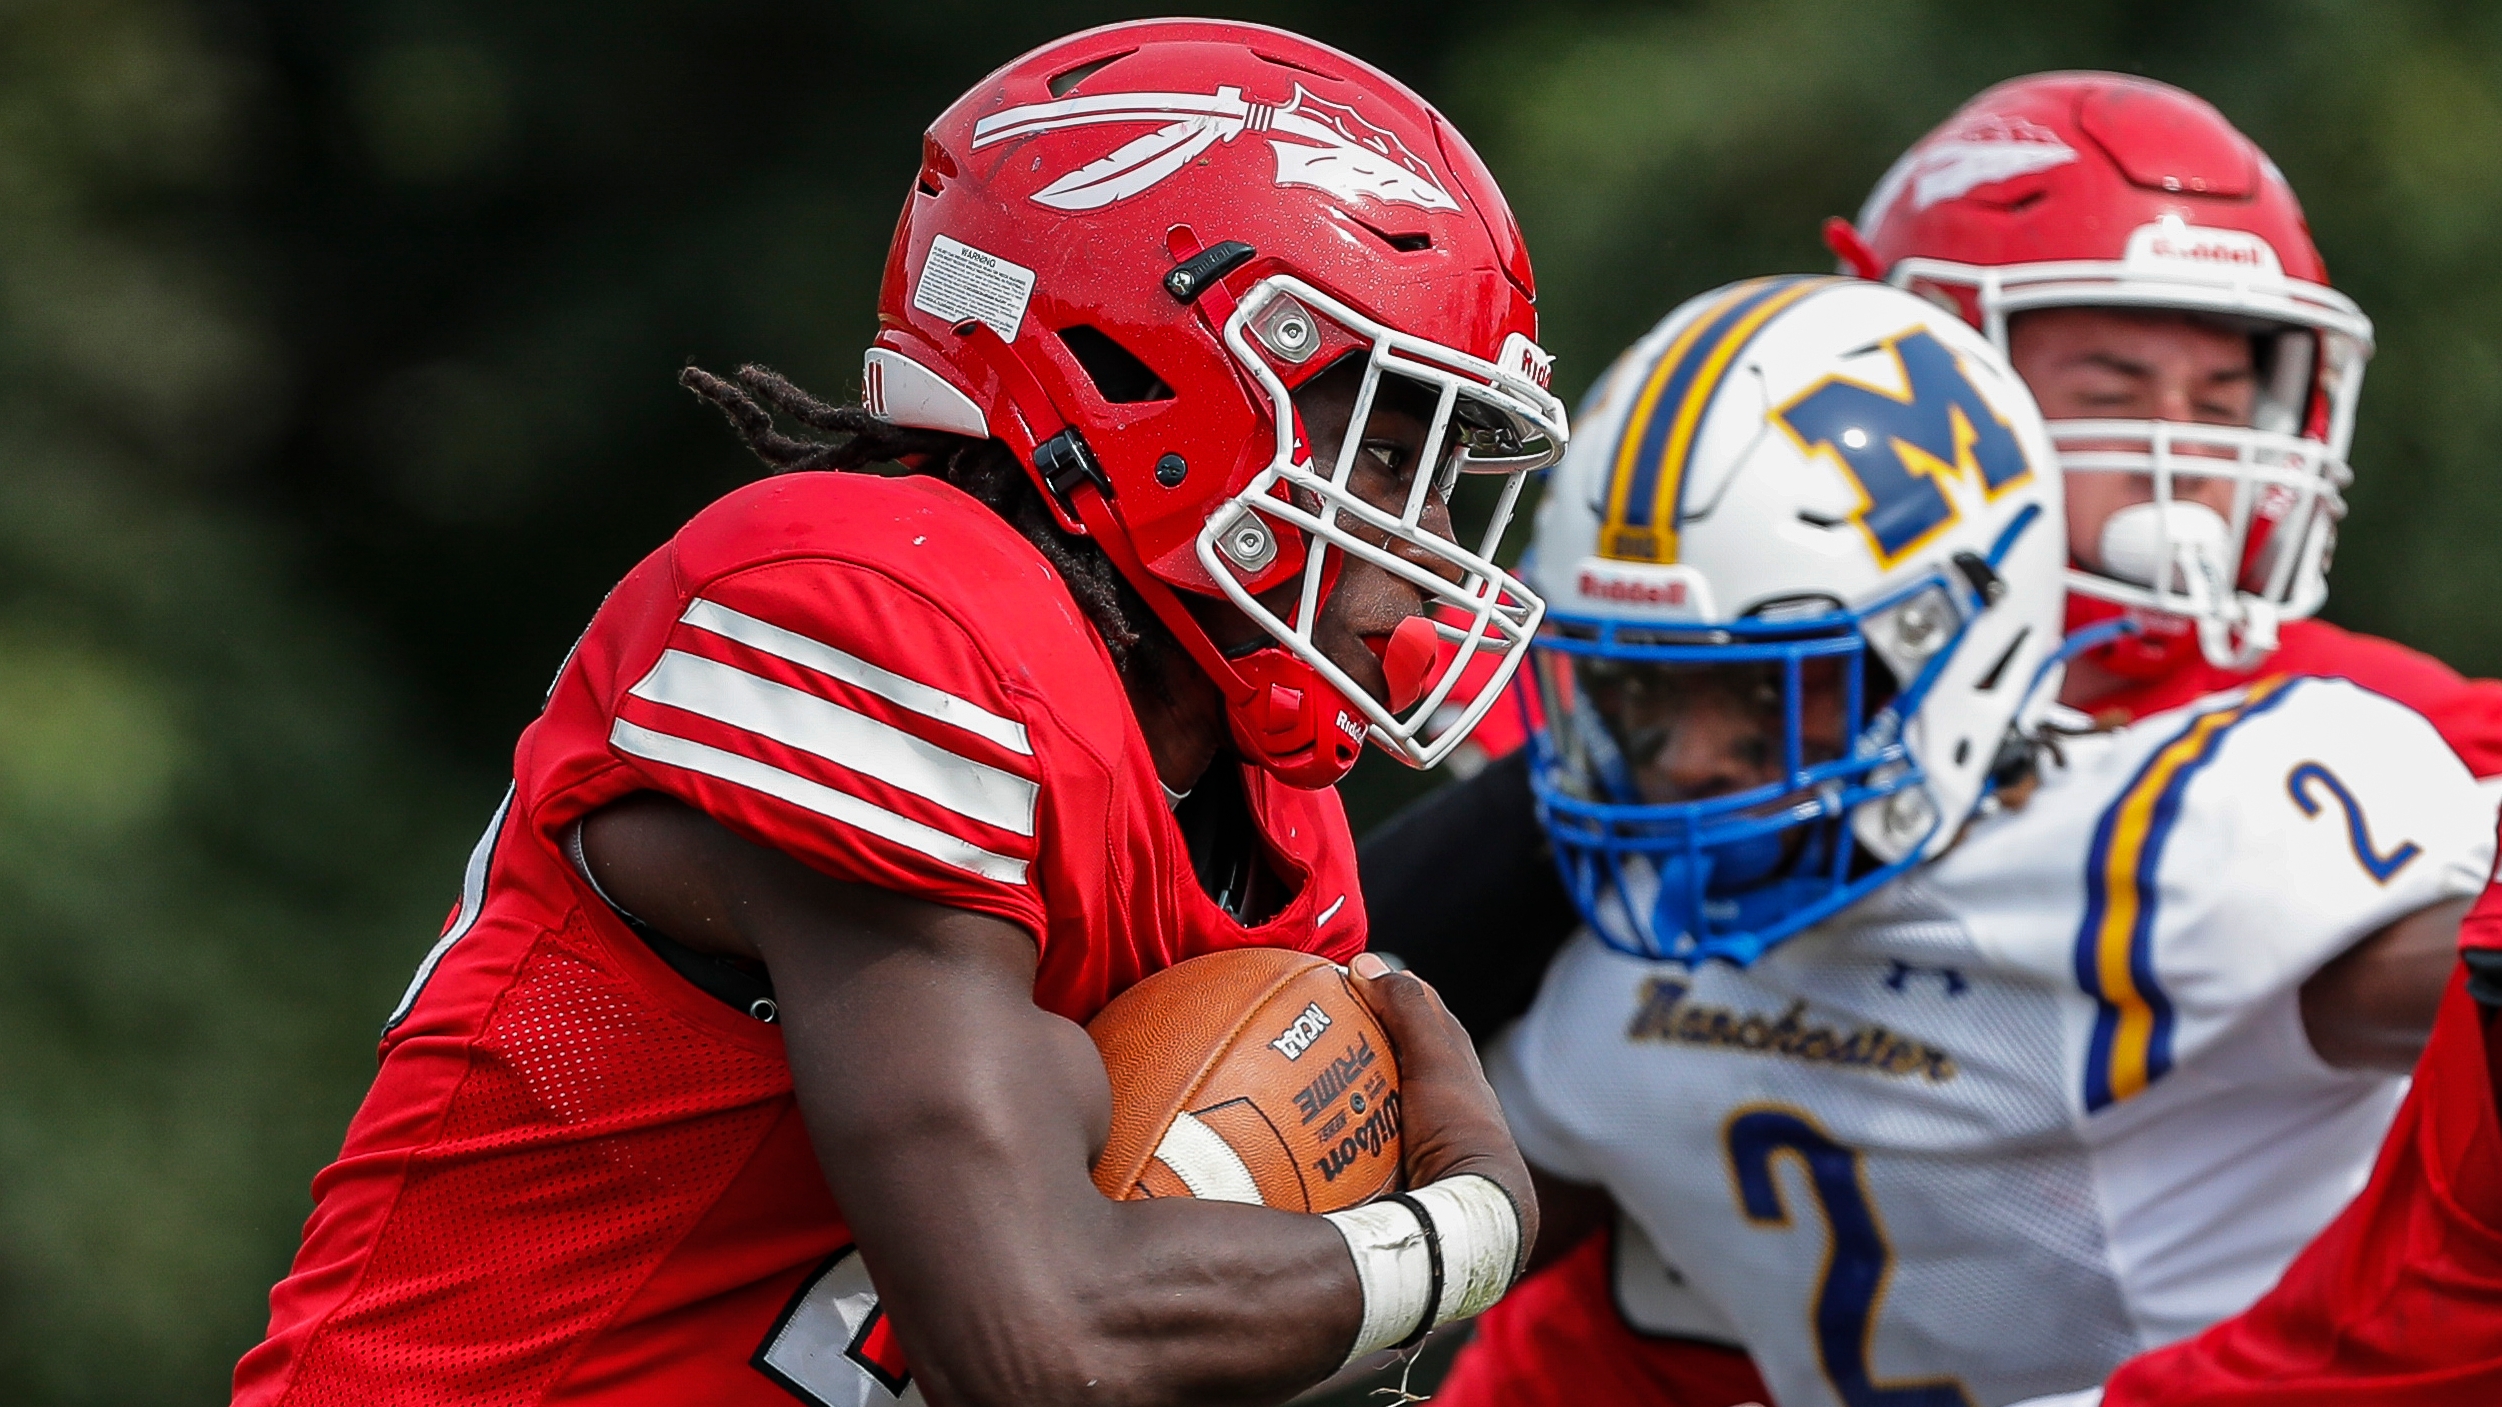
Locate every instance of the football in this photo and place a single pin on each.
(1253, 1075)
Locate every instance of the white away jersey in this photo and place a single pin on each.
(2040, 1104)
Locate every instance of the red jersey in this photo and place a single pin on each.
(1561, 1338)
(580, 1179)
(2436, 1186)
(2467, 712)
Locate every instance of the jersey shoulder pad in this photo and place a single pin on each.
(2466, 712)
(880, 677)
(2247, 839)
(2247, 753)
(2297, 813)
(926, 537)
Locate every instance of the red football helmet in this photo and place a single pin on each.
(2099, 189)
(1126, 250)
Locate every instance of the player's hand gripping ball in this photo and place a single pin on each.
(1253, 1075)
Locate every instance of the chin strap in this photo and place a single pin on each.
(2232, 633)
(1283, 716)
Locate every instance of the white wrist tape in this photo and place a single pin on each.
(1440, 1253)
(1480, 1230)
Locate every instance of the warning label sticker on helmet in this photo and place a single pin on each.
(963, 284)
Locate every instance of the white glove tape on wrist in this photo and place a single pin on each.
(1480, 1230)
(1396, 1258)
(1392, 1266)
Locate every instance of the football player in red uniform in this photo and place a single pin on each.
(757, 1017)
(2150, 274)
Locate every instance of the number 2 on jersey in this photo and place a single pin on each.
(2300, 783)
(1856, 1265)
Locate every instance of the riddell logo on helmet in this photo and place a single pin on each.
(1526, 360)
(1634, 593)
(1334, 149)
(2172, 242)
(1664, 590)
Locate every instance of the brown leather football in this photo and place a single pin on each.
(1254, 1075)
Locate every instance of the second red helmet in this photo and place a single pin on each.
(2105, 190)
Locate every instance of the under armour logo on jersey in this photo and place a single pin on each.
(1898, 977)
(1331, 147)
(1901, 448)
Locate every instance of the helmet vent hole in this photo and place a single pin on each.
(1299, 66)
(1119, 376)
(1067, 79)
(1403, 243)
(1989, 682)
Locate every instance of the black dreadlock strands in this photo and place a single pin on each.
(1107, 597)
(752, 422)
(983, 469)
(868, 440)
(778, 392)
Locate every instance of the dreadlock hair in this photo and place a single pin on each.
(984, 469)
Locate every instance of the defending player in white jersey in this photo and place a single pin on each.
(2007, 1072)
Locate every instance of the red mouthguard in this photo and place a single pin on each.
(1411, 659)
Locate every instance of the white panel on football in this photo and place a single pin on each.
(1205, 1163)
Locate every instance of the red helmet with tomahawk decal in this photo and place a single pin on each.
(1123, 253)
(2106, 190)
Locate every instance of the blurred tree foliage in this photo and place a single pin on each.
(335, 354)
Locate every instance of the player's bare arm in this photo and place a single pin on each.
(2372, 1006)
(961, 755)
(957, 1123)
(971, 1141)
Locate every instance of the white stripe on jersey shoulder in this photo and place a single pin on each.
(727, 694)
(1206, 1163)
(857, 672)
(823, 800)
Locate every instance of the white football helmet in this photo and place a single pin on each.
(1787, 480)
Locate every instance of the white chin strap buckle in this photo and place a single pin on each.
(2235, 630)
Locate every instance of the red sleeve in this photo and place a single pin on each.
(2482, 928)
(826, 710)
(2466, 712)
(2469, 718)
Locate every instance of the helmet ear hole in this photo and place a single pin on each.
(1117, 373)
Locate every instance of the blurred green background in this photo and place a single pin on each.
(336, 345)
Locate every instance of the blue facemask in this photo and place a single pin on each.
(1729, 875)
